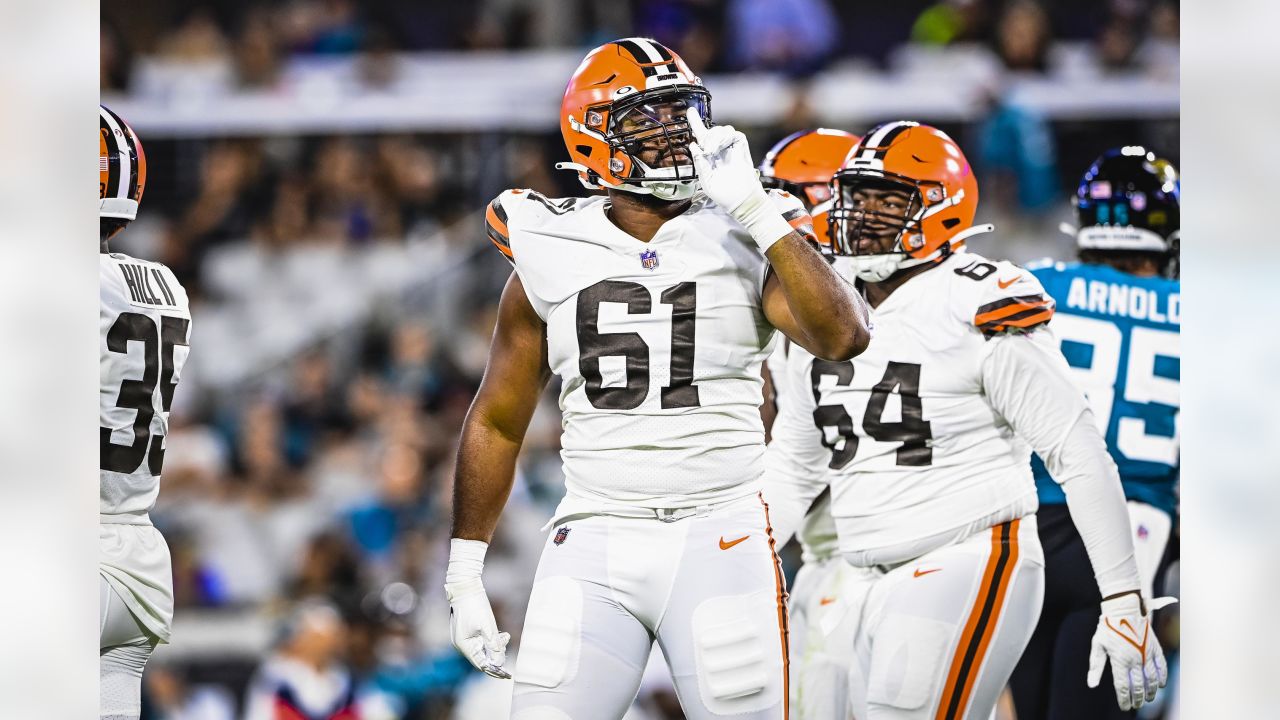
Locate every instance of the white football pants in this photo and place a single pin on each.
(707, 587)
(819, 660)
(938, 637)
(123, 650)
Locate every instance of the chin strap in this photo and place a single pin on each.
(975, 230)
(583, 171)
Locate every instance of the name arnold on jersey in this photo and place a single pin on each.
(138, 278)
(1124, 301)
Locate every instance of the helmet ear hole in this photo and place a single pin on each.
(950, 223)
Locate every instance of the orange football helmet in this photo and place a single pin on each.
(928, 165)
(623, 119)
(122, 167)
(802, 164)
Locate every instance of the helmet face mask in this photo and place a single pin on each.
(652, 135)
(873, 219)
(653, 128)
(872, 215)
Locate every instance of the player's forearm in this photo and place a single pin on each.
(829, 312)
(1028, 383)
(1095, 499)
(483, 476)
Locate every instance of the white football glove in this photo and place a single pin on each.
(726, 174)
(471, 625)
(1125, 637)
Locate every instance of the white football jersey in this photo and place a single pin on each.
(904, 432)
(145, 327)
(817, 532)
(658, 345)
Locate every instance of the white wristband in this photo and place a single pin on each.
(466, 563)
(761, 218)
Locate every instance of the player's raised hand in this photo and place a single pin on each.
(471, 623)
(722, 159)
(1124, 636)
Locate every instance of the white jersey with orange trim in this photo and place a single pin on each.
(658, 346)
(145, 326)
(915, 453)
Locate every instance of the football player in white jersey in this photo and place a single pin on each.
(924, 442)
(145, 327)
(655, 304)
(802, 164)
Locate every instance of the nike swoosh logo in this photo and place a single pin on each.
(726, 545)
(826, 601)
(920, 572)
(1006, 283)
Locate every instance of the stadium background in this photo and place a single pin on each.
(317, 169)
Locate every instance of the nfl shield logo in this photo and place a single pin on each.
(649, 259)
(561, 535)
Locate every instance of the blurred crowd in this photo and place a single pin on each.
(253, 38)
(344, 295)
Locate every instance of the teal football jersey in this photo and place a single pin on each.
(1120, 335)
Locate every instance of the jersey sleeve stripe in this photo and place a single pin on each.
(797, 216)
(495, 226)
(804, 223)
(501, 243)
(496, 219)
(1008, 306)
(801, 222)
(1007, 312)
(1025, 321)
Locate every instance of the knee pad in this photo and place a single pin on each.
(120, 678)
(738, 653)
(909, 661)
(551, 644)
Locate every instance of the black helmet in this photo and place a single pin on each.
(1128, 200)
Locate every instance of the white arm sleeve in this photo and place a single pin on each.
(1029, 383)
(796, 461)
